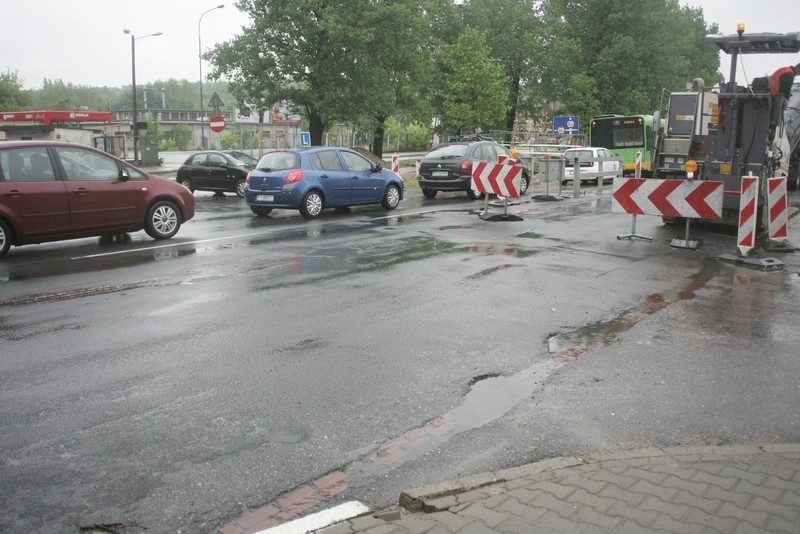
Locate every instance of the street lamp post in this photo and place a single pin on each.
(200, 57)
(133, 83)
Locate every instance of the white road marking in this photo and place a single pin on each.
(169, 245)
(320, 520)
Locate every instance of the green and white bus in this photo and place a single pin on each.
(624, 136)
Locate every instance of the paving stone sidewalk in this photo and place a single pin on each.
(732, 489)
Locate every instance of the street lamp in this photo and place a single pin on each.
(133, 83)
(200, 57)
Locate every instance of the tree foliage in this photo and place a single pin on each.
(616, 56)
(342, 60)
(57, 94)
(513, 33)
(473, 95)
(180, 136)
(12, 95)
(289, 52)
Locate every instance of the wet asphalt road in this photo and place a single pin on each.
(175, 386)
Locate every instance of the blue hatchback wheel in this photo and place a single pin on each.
(312, 205)
(391, 198)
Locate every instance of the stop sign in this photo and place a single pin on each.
(217, 123)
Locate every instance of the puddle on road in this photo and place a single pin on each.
(489, 398)
(333, 262)
(318, 263)
(602, 333)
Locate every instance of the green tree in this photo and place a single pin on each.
(616, 56)
(12, 96)
(445, 19)
(394, 131)
(181, 135)
(153, 128)
(55, 94)
(285, 54)
(228, 140)
(513, 30)
(346, 67)
(388, 43)
(475, 95)
(418, 136)
(172, 94)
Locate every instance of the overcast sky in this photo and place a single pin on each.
(82, 41)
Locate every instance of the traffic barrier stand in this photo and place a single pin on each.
(553, 171)
(778, 211)
(746, 235)
(502, 201)
(633, 234)
(686, 242)
(668, 198)
(498, 179)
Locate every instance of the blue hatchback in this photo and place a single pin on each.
(315, 178)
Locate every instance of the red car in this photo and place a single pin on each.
(52, 190)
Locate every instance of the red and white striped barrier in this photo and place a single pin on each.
(419, 164)
(748, 209)
(668, 198)
(778, 205)
(502, 159)
(496, 178)
(637, 173)
(396, 163)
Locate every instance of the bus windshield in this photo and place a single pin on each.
(624, 136)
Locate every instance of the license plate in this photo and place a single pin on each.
(439, 173)
(264, 198)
